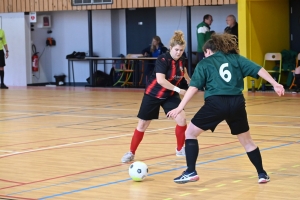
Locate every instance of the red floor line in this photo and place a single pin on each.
(16, 198)
(98, 169)
(8, 181)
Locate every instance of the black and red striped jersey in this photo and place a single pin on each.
(173, 70)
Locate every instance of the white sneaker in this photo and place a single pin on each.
(127, 157)
(181, 152)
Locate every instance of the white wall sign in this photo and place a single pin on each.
(32, 16)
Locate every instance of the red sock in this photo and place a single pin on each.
(136, 140)
(180, 136)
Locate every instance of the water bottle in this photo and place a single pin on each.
(253, 85)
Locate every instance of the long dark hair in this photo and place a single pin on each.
(226, 43)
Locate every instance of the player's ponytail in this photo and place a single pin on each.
(177, 39)
(226, 43)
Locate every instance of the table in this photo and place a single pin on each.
(95, 61)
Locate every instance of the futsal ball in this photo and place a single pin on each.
(138, 171)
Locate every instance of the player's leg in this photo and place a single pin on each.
(2, 64)
(149, 110)
(254, 155)
(239, 126)
(208, 117)
(168, 105)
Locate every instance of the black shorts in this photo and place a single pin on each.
(2, 58)
(150, 106)
(219, 108)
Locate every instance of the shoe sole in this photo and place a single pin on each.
(194, 179)
(261, 181)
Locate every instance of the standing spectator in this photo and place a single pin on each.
(203, 34)
(154, 50)
(2, 57)
(232, 25)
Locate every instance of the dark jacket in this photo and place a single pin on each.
(233, 30)
(148, 50)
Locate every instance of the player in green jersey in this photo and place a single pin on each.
(221, 73)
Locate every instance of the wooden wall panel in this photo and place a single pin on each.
(190, 2)
(202, 2)
(135, 3)
(151, 3)
(124, 4)
(207, 2)
(129, 4)
(173, 2)
(119, 3)
(168, 3)
(146, 4)
(57, 5)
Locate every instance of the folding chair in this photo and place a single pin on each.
(297, 65)
(272, 57)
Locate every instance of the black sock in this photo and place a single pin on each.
(2, 76)
(256, 160)
(191, 154)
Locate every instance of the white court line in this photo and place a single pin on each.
(76, 143)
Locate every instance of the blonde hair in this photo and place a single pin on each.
(158, 40)
(177, 39)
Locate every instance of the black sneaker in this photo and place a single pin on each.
(187, 177)
(263, 178)
(3, 86)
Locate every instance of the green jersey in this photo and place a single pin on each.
(2, 39)
(223, 74)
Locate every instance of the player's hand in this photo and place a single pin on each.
(279, 89)
(173, 113)
(6, 55)
(182, 92)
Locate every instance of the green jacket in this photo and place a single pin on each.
(203, 34)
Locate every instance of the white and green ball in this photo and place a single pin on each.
(138, 171)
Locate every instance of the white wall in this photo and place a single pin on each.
(70, 30)
(169, 19)
(15, 71)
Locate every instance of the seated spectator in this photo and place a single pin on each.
(154, 50)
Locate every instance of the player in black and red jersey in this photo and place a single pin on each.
(161, 90)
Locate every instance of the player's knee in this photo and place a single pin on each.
(143, 125)
(181, 119)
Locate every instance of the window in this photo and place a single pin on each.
(87, 2)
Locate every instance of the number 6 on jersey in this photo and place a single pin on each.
(225, 72)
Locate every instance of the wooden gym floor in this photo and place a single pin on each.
(66, 143)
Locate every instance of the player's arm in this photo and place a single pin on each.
(187, 97)
(277, 87)
(186, 76)
(161, 80)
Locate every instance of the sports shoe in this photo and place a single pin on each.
(263, 178)
(187, 177)
(181, 152)
(127, 157)
(3, 86)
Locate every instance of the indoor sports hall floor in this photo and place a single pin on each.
(66, 143)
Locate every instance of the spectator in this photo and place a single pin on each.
(154, 50)
(232, 25)
(203, 34)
